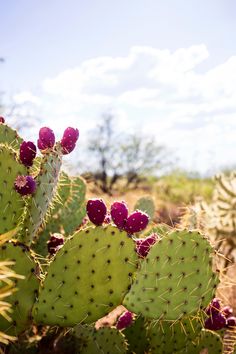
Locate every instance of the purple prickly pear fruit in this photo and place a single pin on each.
(2, 120)
(69, 139)
(27, 153)
(25, 185)
(55, 243)
(231, 321)
(227, 311)
(215, 322)
(214, 307)
(107, 219)
(143, 245)
(125, 320)
(119, 214)
(96, 210)
(136, 222)
(46, 138)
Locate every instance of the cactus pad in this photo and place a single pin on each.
(12, 204)
(105, 340)
(206, 340)
(169, 337)
(67, 213)
(88, 277)
(9, 137)
(23, 299)
(136, 336)
(146, 204)
(41, 200)
(175, 279)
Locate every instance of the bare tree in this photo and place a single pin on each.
(116, 156)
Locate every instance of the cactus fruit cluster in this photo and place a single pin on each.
(74, 272)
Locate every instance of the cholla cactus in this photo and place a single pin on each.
(221, 215)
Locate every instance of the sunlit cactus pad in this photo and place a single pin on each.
(41, 200)
(12, 204)
(175, 279)
(9, 136)
(23, 299)
(89, 276)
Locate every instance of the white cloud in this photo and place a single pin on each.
(26, 97)
(153, 91)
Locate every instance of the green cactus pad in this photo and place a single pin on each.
(89, 276)
(206, 340)
(67, 213)
(74, 211)
(105, 340)
(12, 203)
(175, 279)
(38, 205)
(23, 299)
(147, 205)
(136, 337)
(9, 137)
(167, 337)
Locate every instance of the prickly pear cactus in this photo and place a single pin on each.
(12, 204)
(89, 276)
(137, 337)
(105, 340)
(175, 278)
(206, 340)
(23, 298)
(167, 337)
(147, 205)
(38, 205)
(67, 212)
(9, 136)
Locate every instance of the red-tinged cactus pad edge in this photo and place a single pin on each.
(89, 276)
(12, 203)
(175, 279)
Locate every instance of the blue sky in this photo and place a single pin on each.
(163, 67)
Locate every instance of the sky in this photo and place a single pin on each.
(163, 68)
